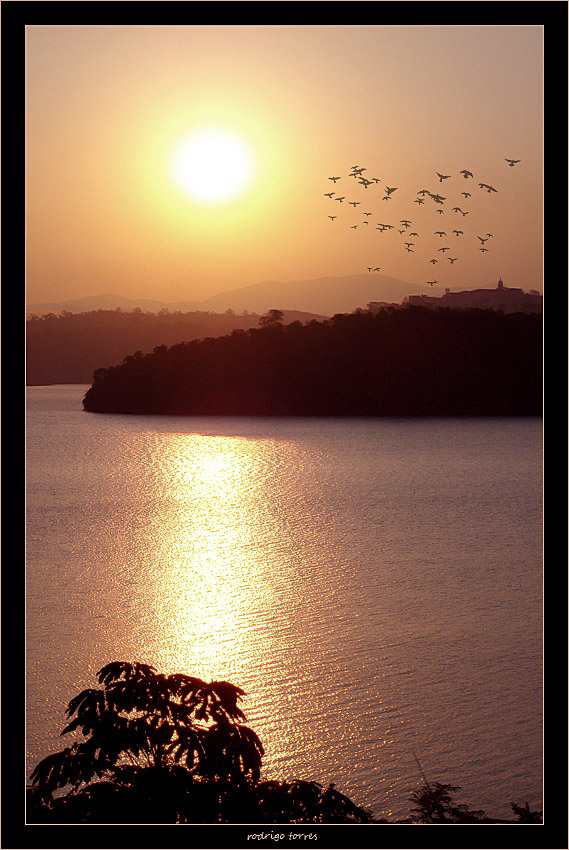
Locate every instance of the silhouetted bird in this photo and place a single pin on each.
(334, 178)
(452, 259)
(433, 261)
(484, 249)
(438, 199)
(457, 232)
(440, 233)
(432, 282)
(329, 194)
(365, 183)
(340, 199)
(405, 222)
(419, 201)
(442, 176)
(354, 227)
(440, 212)
(354, 203)
(367, 213)
(482, 240)
(332, 217)
(512, 162)
(443, 249)
(466, 194)
(390, 190)
(377, 268)
(413, 234)
(466, 173)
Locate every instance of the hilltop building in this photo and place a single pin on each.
(504, 298)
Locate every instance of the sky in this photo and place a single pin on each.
(118, 200)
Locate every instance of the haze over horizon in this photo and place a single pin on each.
(123, 197)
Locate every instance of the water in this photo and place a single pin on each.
(374, 586)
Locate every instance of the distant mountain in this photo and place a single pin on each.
(324, 296)
(108, 301)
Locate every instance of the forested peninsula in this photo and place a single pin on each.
(67, 348)
(397, 362)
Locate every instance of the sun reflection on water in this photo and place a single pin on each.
(216, 587)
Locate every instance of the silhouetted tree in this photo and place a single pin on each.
(435, 804)
(525, 815)
(273, 317)
(169, 749)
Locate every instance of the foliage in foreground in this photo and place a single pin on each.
(174, 749)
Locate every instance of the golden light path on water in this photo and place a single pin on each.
(371, 598)
(226, 598)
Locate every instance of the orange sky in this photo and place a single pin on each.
(107, 106)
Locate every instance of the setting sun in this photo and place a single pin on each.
(212, 165)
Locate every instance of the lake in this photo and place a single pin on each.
(375, 586)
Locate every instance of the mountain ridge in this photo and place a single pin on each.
(325, 295)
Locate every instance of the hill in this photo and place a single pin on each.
(108, 301)
(324, 296)
(397, 362)
(66, 349)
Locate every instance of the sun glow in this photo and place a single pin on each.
(212, 165)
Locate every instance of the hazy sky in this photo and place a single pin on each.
(109, 106)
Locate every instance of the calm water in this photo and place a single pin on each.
(375, 586)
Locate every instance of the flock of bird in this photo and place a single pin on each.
(357, 174)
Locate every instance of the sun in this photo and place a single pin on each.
(212, 165)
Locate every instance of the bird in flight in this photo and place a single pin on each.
(334, 178)
(440, 212)
(411, 251)
(423, 192)
(512, 162)
(438, 199)
(452, 260)
(357, 170)
(456, 209)
(340, 199)
(354, 227)
(405, 222)
(369, 268)
(365, 183)
(377, 268)
(390, 190)
(466, 194)
(466, 173)
(457, 232)
(354, 203)
(413, 234)
(440, 232)
(367, 213)
(482, 240)
(433, 261)
(409, 244)
(329, 194)
(443, 249)
(490, 234)
(419, 201)
(432, 282)
(332, 217)
(484, 249)
(442, 176)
